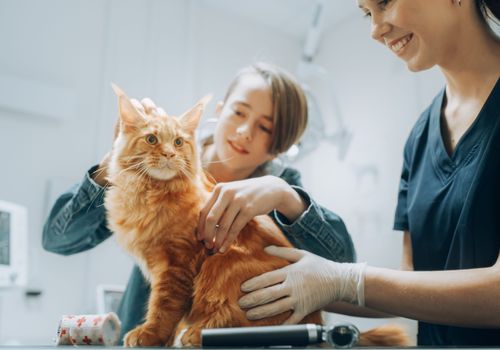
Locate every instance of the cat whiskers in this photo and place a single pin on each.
(135, 165)
(143, 172)
(107, 185)
(185, 166)
(100, 170)
(140, 156)
(185, 172)
(209, 177)
(102, 189)
(219, 161)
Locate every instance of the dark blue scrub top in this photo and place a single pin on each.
(451, 205)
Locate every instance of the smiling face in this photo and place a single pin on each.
(244, 132)
(423, 33)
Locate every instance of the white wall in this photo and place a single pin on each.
(176, 51)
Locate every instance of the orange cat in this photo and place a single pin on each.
(157, 190)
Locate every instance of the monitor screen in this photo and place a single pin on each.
(4, 238)
(13, 245)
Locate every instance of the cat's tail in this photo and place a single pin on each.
(387, 335)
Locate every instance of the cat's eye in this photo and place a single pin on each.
(151, 139)
(178, 142)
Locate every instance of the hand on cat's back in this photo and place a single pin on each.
(232, 205)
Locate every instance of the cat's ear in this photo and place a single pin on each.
(218, 108)
(130, 117)
(191, 118)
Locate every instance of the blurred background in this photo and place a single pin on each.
(57, 111)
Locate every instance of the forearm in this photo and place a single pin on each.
(354, 310)
(318, 230)
(77, 221)
(292, 206)
(460, 297)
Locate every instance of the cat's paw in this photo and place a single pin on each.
(192, 338)
(143, 336)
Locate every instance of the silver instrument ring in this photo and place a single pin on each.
(312, 332)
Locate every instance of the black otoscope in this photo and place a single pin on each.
(343, 335)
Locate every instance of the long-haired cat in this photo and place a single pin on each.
(157, 190)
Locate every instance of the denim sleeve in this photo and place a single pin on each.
(77, 221)
(317, 230)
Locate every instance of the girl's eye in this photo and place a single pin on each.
(151, 139)
(263, 128)
(238, 113)
(178, 142)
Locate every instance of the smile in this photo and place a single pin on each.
(400, 44)
(237, 148)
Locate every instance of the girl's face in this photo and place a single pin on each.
(423, 33)
(243, 134)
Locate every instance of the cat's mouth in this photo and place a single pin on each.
(162, 173)
(160, 163)
(161, 169)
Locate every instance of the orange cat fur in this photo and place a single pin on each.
(157, 190)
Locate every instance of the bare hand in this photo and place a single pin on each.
(232, 205)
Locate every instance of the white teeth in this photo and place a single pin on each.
(401, 43)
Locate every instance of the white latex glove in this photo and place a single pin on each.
(309, 284)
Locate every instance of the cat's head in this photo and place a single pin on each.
(158, 147)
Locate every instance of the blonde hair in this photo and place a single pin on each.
(289, 104)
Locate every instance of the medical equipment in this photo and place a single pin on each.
(343, 335)
(13, 245)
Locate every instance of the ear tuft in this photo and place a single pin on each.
(118, 91)
(206, 100)
(129, 115)
(191, 118)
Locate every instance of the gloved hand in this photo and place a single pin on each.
(309, 284)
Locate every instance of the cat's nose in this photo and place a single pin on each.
(168, 155)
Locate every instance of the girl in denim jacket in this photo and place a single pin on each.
(263, 113)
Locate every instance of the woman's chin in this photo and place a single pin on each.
(419, 65)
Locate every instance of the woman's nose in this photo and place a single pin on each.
(380, 27)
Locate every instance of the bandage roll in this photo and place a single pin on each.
(92, 330)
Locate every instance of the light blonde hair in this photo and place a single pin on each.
(289, 104)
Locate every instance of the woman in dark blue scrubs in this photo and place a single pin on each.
(449, 195)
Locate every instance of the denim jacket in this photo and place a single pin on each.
(77, 222)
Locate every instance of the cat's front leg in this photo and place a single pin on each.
(192, 337)
(143, 335)
(169, 300)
